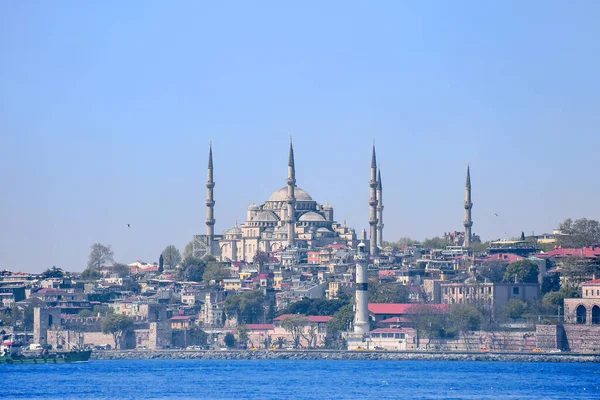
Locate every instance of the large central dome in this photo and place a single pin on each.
(281, 195)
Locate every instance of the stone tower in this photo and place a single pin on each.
(210, 202)
(291, 198)
(361, 305)
(373, 205)
(468, 205)
(379, 209)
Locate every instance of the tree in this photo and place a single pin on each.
(435, 243)
(550, 283)
(514, 309)
(215, 272)
(102, 310)
(430, 320)
(388, 293)
(279, 342)
(579, 269)
(295, 324)
(341, 319)
(479, 247)
(557, 298)
(117, 325)
(100, 256)
(161, 264)
(311, 336)
(493, 271)
(579, 233)
(229, 340)
(122, 270)
(315, 307)
(91, 274)
(188, 250)
(198, 336)
(242, 332)
(524, 270)
(246, 307)
(465, 318)
(53, 273)
(171, 256)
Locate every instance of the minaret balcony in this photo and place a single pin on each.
(210, 222)
(468, 205)
(468, 224)
(210, 203)
(210, 185)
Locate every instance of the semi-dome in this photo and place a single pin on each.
(323, 229)
(253, 207)
(234, 231)
(281, 195)
(265, 216)
(311, 216)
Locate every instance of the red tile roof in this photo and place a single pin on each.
(260, 327)
(587, 252)
(388, 330)
(395, 320)
(594, 282)
(402, 308)
(51, 291)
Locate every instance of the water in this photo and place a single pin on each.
(295, 380)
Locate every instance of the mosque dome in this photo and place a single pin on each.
(234, 231)
(327, 206)
(265, 216)
(311, 216)
(281, 195)
(253, 207)
(323, 229)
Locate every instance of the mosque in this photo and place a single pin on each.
(289, 219)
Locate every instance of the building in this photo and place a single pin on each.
(289, 218)
(586, 310)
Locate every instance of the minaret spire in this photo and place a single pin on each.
(210, 202)
(373, 204)
(468, 223)
(379, 209)
(291, 199)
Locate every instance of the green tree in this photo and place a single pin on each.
(465, 318)
(310, 335)
(550, 283)
(435, 243)
(579, 233)
(388, 293)
(100, 255)
(514, 309)
(102, 310)
(91, 274)
(579, 269)
(171, 256)
(198, 336)
(53, 273)
(315, 307)
(524, 270)
(294, 324)
(242, 332)
(117, 325)
(161, 264)
(85, 313)
(229, 340)
(215, 272)
(122, 270)
(279, 342)
(492, 271)
(246, 307)
(188, 250)
(557, 298)
(479, 247)
(341, 319)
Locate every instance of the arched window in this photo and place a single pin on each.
(50, 320)
(581, 315)
(596, 315)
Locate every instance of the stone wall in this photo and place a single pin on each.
(583, 338)
(550, 337)
(44, 318)
(160, 335)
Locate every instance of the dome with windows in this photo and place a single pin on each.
(281, 195)
(311, 217)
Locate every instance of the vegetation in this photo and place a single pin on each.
(435, 243)
(402, 242)
(246, 307)
(100, 256)
(514, 309)
(492, 271)
(579, 233)
(315, 307)
(279, 342)
(557, 298)
(387, 293)
(341, 319)
(550, 283)
(215, 272)
(171, 257)
(229, 340)
(121, 270)
(242, 333)
(91, 274)
(294, 324)
(117, 325)
(53, 273)
(161, 264)
(198, 336)
(578, 269)
(524, 270)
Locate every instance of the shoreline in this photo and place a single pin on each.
(339, 355)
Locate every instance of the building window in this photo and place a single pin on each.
(515, 290)
(460, 290)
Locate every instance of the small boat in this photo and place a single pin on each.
(10, 353)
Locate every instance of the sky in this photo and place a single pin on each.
(107, 110)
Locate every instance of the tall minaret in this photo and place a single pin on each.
(468, 205)
(373, 205)
(361, 302)
(379, 209)
(210, 202)
(291, 199)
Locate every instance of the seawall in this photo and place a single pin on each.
(339, 355)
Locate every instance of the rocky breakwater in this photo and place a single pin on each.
(337, 355)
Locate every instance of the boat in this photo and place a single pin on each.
(10, 353)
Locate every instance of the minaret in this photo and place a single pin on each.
(291, 200)
(210, 202)
(373, 205)
(361, 305)
(379, 209)
(468, 205)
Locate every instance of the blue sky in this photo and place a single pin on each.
(107, 109)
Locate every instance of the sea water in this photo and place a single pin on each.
(296, 379)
